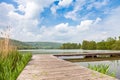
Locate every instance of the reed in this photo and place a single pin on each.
(12, 65)
(12, 62)
(5, 46)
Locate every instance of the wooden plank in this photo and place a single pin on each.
(87, 54)
(49, 67)
(92, 59)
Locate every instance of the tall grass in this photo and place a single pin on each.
(12, 62)
(12, 65)
(102, 68)
(5, 46)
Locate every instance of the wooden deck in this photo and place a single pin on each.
(49, 67)
(90, 54)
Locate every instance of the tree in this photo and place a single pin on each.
(70, 46)
(119, 37)
(116, 45)
(85, 44)
(92, 45)
(110, 41)
(101, 45)
(89, 45)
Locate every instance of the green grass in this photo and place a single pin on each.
(13, 64)
(102, 68)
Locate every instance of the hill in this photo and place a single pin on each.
(45, 45)
(34, 45)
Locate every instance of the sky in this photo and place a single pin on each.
(60, 20)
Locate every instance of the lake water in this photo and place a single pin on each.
(114, 64)
(64, 51)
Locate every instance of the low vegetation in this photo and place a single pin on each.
(12, 65)
(12, 62)
(102, 68)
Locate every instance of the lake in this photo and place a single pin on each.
(113, 63)
(64, 51)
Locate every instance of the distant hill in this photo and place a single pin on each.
(45, 45)
(35, 45)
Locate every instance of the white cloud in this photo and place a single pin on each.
(62, 27)
(63, 32)
(98, 4)
(97, 20)
(111, 24)
(31, 8)
(64, 3)
(4, 9)
(71, 15)
(53, 9)
(77, 7)
(25, 26)
(98, 29)
(84, 25)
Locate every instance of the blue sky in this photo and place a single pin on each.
(60, 20)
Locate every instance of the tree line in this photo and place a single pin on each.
(108, 44)
(70, 46)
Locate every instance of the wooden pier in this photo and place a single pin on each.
(49, 67)
(88, 55)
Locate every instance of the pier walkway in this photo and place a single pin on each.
(49, 67)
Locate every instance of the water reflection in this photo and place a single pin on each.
(114, 65)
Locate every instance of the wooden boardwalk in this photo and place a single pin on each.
(49, 67)
(90, 54)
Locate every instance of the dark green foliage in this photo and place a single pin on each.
(109, 44)
(110, 41)
(88, 45)
(116, 45)
(85, 44)
(101, 45)
(70, 46)
(12, 65)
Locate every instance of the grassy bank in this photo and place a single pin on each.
(13, 64)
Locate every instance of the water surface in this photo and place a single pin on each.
(114, 65)
(64, 51)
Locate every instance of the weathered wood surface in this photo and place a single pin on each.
(49, 67)
(89, 54)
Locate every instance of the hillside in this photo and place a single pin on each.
(34, 45)
(45, 45)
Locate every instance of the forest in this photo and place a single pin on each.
(108, 44)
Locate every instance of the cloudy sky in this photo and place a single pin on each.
(60, 20)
